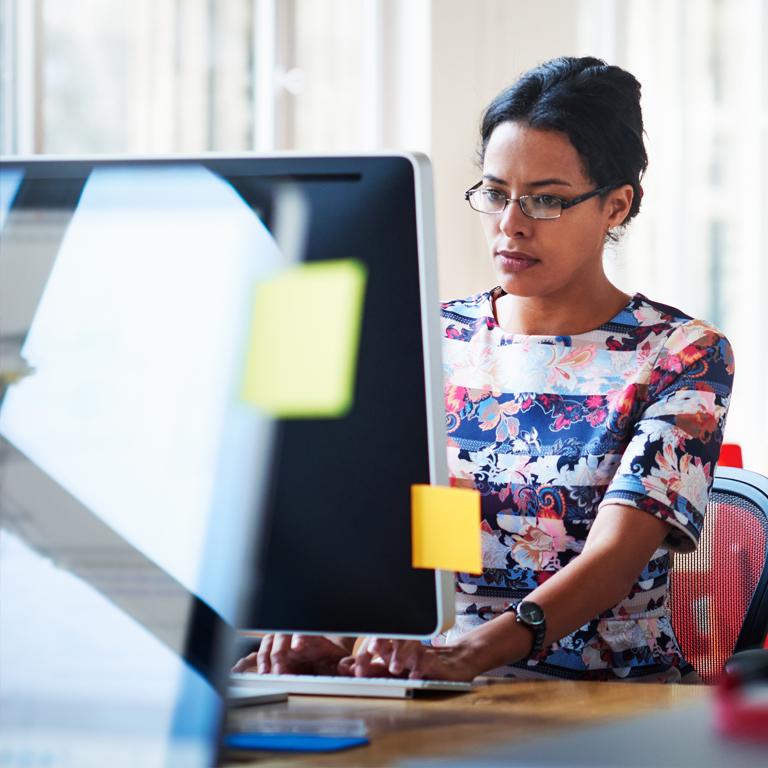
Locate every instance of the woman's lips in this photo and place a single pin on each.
(516, 260)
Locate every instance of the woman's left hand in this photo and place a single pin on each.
(381, 657)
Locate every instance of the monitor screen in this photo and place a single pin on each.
(143, 499)
(336, 549)
(130, 467)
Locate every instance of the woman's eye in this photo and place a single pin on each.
(494, 195)
(547, 200)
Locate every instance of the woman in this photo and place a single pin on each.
(590, 420)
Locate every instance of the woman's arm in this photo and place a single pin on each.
(620, 543)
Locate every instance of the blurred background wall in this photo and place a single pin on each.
(166, 76)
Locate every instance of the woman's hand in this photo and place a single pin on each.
(296, 654)
(380, 657)
(621, 541)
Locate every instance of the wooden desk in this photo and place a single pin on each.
(448, 726)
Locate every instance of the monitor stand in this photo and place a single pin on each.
(247, 697)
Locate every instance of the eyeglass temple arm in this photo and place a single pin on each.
(472, 189)
(570, 203)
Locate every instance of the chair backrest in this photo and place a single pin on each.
(730, 456)
(719, 593)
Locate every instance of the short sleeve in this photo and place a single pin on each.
(668, 466)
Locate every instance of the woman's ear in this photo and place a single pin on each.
(618, 204)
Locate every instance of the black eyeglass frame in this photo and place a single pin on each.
(564, 204)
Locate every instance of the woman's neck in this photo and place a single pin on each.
(558, 316)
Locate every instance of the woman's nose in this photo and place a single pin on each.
(514, 223)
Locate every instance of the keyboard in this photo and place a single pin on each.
(322, 685)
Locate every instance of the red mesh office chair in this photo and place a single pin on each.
(719, 594)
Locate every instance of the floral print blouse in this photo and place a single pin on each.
(548, 429)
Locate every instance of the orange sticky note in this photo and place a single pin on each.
(445, 525)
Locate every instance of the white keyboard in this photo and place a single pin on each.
(322, 685)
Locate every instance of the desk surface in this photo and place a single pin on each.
(448, 727)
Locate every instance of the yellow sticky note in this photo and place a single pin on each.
(302, 356)
(445, 525)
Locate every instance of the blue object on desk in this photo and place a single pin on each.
(293, 742)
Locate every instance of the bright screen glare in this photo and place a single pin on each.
(133, 408)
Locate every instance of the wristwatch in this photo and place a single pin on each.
(530, 615)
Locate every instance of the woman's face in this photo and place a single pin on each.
(553, 259)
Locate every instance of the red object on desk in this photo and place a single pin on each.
(730, 456)
(737, 716)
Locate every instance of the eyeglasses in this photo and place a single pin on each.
(489, 200)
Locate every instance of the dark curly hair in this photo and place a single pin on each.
(595, 104)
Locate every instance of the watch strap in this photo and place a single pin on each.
(538, 628)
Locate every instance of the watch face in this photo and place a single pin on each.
(530, 613)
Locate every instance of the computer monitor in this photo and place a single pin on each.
(130, 474)
(336, 543)
(143, 500)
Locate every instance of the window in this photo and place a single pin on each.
(700, 243)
